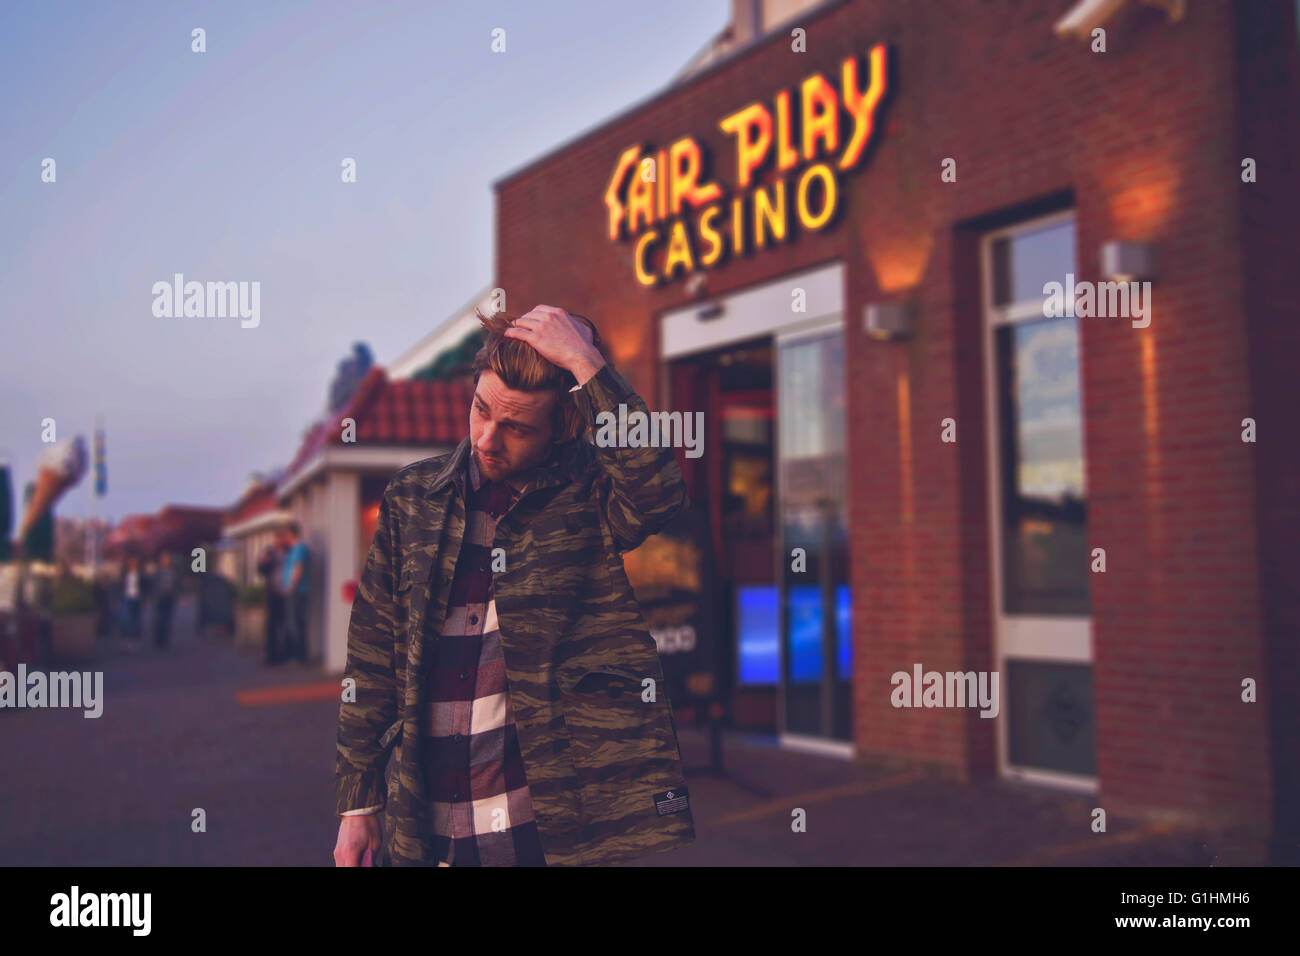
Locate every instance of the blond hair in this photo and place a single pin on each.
(522, 368)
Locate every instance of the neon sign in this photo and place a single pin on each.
(652, 208)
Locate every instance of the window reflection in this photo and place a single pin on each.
(814, 519)
(747, 471)
(1025, 262)
(1045, 561)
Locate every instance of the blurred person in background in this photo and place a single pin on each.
(111, 575)
(293, 579)
(132, 594)
(269, 568)
(164, 599)
(6, 508)
(103, 604)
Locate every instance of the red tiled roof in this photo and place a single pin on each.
(173, 528)
(257, 500)
(132, 528)
(409, 412)
(184, 526)
(387, 412)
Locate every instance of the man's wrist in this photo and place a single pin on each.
(585, 368)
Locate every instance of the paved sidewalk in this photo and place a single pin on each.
(199, 726)
(858, 814)
(120, 790)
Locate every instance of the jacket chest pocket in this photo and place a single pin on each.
(568, 562)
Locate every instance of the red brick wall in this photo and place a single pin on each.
(1145, 140)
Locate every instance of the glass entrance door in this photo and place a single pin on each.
(1038, 504)
(813, 557)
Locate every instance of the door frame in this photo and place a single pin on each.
(742, 315)
(1023, 637)
(815, 744)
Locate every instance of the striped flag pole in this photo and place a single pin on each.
(101, 465)
(99, 487)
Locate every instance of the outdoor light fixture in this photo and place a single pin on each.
(1123, 261)
(887, 321)
(1087, 15)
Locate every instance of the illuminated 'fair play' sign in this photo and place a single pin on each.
(672, 241)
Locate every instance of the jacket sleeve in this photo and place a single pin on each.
(640, 489)
(372, 629)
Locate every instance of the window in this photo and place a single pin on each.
(1040, 428)
(1038, 509)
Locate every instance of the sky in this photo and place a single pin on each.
(225, 166)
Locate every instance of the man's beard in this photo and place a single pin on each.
(485, 466)
(502, 469)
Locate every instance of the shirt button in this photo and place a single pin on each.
(464, 675)
(455, 796)
(473, 618)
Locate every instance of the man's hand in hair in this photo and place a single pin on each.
(560, 339)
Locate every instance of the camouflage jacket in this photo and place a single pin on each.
(599, 741)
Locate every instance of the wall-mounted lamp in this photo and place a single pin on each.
(1087, 15)
(887, 321)
(1123, 261)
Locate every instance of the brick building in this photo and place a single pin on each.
(838, 243)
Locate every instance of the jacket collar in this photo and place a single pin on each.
(557, 469)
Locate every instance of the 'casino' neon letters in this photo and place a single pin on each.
(653, 208)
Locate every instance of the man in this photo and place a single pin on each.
(495, 640)
(293, 583)
(103, 604)
(269, 568)
(132, 594)
(164, 599)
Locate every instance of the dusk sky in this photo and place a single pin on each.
(225, 166)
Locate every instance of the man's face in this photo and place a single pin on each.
(510, 431)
